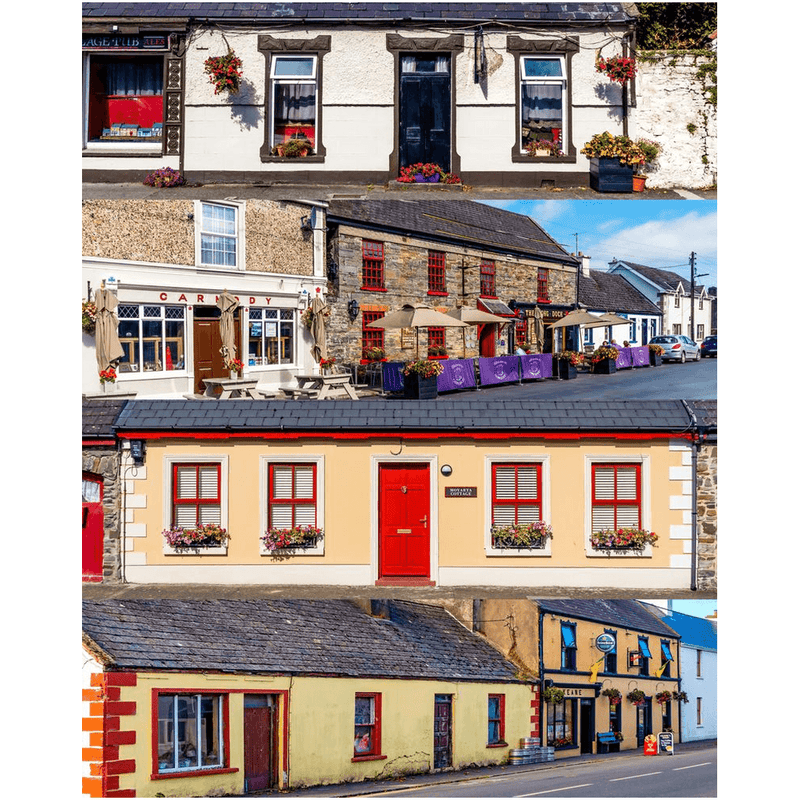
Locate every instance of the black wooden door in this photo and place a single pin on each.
(425, 112)
(587, 725)
(442, 731)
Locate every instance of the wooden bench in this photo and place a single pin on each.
(607, 740)
(198, 397)
(294, 394)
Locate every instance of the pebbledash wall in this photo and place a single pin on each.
(675, 109)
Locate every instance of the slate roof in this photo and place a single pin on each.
(694, 631)
(620, 613)
(300, 637)
(663, 278)
(605, 291)
(99, 416)
(705, 411)
(280, 12)
(456, 220)
(382, 415)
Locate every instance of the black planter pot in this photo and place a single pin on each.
(507, 544)
(655, 359)
(566, 370)
(609, 175)
(606, 366)
(417, 388)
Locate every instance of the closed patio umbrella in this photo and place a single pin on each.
(538, 329)
(319, 349)
(417, 316)
(227, 304)
(108, 350)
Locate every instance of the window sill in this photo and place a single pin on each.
(368, 758)
(522, 552)
(611, 553)
(193, 773)
(488, 297)
(543, 300)
(439, 294)
(281, 552)
(196, 551)
(526, 159)
(317, 159)
(497, 744)
(373, 289)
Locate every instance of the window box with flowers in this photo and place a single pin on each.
(604, 360)
(438, 351)
(544, 148)
(523, 536)
(287, 541)
(656, 351)
(373, 354)
(566, 363)
(426, 173)
(209, 537)
(421, 379)
(293, 148)
(626, 540)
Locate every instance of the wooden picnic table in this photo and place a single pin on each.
(324, 387)
(232, 388)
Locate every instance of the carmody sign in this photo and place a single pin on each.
(210, 299)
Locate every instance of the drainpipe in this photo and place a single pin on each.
(542, 721)
(698, 436)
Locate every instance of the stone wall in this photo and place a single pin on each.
(406, 281)
(105, 463)
(675, 109)
(707, 518)
(163, 232)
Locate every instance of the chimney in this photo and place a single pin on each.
(585, 264)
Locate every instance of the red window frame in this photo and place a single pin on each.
(542, 281)
(374, 751)
(371, 337)
(372, 265)
(521, 329)
(195, 501)
(488, 274)
(291, 501)
(501, 720)
(224, 711)
(436, 337)
(615, 502)
(437, 281)
(516, 501)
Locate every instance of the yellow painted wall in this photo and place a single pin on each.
(321, 728)
(350, 496)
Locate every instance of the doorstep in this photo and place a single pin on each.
(405, 582)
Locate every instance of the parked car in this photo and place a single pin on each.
(677, 348)
(709, 347)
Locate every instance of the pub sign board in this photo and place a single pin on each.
(460, 491)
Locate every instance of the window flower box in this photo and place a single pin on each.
(623, 539)
(531, 536)
(301, 537)
(201, 537)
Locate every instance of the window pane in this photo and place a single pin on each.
(542, 67)
(602, 518)
(505, 483)
(304, 482)
(186, 486)
(219, 219)
(217, 250)
(209, 514)
(526, 483)
(365, 710)
(295, 67)
(166, 731)
(187, 732)
(494, 732)
(90, 492)
(282, 482)
(281, 516)
(503, 515)
(210, 749)
(294, 112)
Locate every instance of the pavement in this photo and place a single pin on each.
(325, 191)
(477, 773)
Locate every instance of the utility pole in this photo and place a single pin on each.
(578, 276)
(691, 298)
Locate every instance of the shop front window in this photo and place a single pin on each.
(190, 732)
(561, 723)
(152, 338)
(125, 102)
(271, 336)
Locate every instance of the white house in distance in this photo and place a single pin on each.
(698, 670)
(670, 292)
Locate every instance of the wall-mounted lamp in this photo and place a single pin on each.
(305, 224)
(190, 216)
(446, 470)
(353, 309)
(137, 451)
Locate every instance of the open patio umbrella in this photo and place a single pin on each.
(416, 316)
(227, 304)
(474, 316)
(108, 350)
(577, 317)
(608, 319)
(319, 349)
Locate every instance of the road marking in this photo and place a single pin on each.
(550, 791)
(692, 766)
(630, 777)
(686, 195)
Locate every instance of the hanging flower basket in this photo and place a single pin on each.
(616, 68)
(680, 697)
(89, 316)
(225, 72)
(531, 536)
(108, 375)
(553, 695)
(300, 537)
(614, 696)
(663, 697)
(201, 536)
(637, 697)
(622, 539)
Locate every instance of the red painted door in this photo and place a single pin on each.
(486, 340)
(92, 518)
(260, 743)
(404, 521)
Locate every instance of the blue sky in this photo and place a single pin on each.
(657, 233)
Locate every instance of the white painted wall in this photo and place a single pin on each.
(704, 686)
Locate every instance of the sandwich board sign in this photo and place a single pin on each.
(666, 743)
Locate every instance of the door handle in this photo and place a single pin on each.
(424, 520)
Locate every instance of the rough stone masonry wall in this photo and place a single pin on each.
(674, 108)
(105, 463)
(707, 518)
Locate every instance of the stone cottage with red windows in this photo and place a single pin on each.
(444, 254)
(369, 87)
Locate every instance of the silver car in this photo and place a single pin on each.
(677, 348)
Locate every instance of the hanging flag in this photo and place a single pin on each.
(595, 669)
(660, 670)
